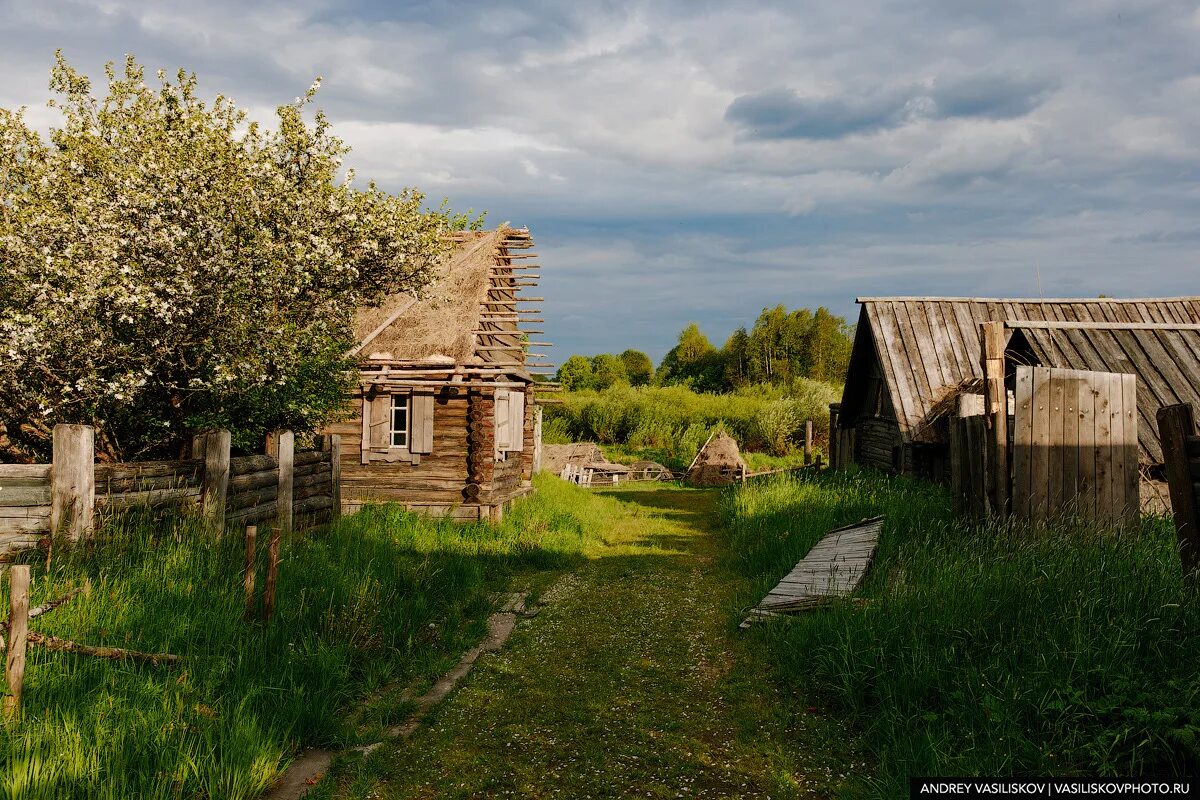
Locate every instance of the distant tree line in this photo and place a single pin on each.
(781, 346)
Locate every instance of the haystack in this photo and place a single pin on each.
(718, 464)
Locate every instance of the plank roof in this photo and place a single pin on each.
(1165, 359)
(929, 347)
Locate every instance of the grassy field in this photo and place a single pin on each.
(670, 424)
(983, 651)
(382, 598)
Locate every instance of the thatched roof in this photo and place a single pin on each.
(928, 348)
(469, 316)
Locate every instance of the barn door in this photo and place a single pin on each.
(1075, 445)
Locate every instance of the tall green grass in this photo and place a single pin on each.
(382, 596)
(989, 650)
(673, 422)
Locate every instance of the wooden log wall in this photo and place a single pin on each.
(481, 438)
(253, 484)
(438, 481)
(312, 488)
(26, 492)
(875, 442)
(24, 507)
(150, 484)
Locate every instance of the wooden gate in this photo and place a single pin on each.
(1075, 445)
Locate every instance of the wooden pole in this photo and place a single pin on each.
(73, 481)
(18, 630)
(248, 572)
(285, 452)
(213, 447)
(1175, 425)
(334, 442)
(996, 413)
(272, 575)
(834, 460)
(808, 439)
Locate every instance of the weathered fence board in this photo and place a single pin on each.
(1075, 443)
(1181, 454)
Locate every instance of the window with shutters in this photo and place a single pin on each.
(401, 414)
(510, 422)
(397, 426)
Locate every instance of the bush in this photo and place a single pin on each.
(676, 420)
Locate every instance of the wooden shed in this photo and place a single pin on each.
(443, 417)
(914, 357)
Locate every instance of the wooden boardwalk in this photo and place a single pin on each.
(835, 567)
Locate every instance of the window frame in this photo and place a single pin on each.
(400, 401)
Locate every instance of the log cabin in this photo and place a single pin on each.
(442, 420)
(914, 357)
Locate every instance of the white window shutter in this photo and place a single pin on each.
(516, 413)
(421, 425)
(503, 421)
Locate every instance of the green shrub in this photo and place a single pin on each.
(676, 420)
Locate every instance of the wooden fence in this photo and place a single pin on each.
(1070, 446)
(283, 488)
(1181, 454)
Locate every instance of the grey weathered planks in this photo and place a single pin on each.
(834, 567)
(929, 346)
(1075, 443)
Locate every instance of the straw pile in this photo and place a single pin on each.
(718, 464)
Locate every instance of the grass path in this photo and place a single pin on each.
(631, 682)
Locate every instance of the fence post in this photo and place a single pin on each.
(996, 411)
(834, 454)
(73, 481)
(213, 446)
(248, 572)
(334, 442)
(282, 445)
(957, 434)
(808, 439)
(1175, 425)
(272, 575)
(18, 629)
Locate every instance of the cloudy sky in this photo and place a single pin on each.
(699, 160)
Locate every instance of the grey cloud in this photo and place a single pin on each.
(780, 113)
(991, 96)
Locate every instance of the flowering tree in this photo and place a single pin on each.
(166, 264)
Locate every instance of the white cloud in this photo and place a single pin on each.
(1016, 137)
